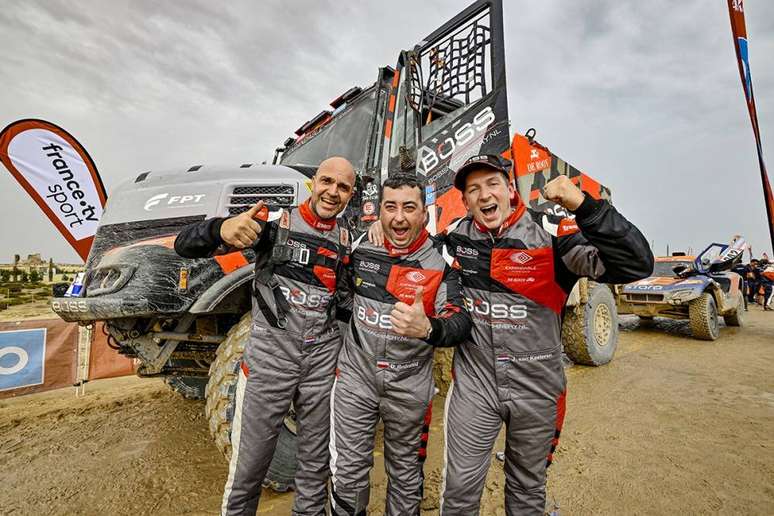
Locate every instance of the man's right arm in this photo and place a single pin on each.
(202, 239)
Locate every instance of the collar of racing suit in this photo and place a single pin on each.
(518, 210)
(416, 244)
(311, 218)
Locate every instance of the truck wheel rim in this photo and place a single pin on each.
(602, 325)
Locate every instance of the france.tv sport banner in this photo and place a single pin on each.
(59, 175)
(739, 30)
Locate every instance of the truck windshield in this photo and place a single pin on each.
(346, 136)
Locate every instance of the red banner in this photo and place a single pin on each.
(105, 362)
(59, 175)
(739, 30)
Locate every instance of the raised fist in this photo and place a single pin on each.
(563, 192)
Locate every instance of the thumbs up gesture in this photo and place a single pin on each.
(242, 230)
(411, 320)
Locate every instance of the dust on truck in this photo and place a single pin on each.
(187, 320)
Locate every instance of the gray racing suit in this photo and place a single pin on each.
(384, 375)
(515, 283)
(291, 355)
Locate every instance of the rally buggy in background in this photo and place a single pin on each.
(188, 320)
(699, 289)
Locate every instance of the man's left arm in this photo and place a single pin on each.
(451, 323)
(608, 248)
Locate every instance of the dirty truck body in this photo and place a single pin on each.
(188, 320)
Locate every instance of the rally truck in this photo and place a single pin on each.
(700, 289)
(187, 320)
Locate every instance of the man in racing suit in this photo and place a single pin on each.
(406, 300)
(515, 279)
(294, 342)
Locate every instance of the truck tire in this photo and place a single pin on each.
(590, 331)
(219, 409)
(703, 314)
(736, 318)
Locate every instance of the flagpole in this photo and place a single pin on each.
(739, 32)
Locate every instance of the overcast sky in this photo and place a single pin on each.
(643, 96)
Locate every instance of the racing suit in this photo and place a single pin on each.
(291, 355)
(515, 282)
(384, 375)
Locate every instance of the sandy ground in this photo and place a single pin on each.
(29, 311)
(672, 426)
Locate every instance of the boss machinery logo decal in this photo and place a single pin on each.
(368, 266)
(466, 251)
(520, 257)
(173, 201)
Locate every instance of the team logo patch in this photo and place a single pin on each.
(520, 257)
(415, 276)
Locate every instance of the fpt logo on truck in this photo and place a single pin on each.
(173, 201)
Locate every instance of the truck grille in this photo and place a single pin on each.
(273, 195)
(645, 298)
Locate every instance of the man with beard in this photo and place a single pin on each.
(406, 300)
(294, 342)
(516, 278)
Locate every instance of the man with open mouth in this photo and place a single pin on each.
(294, 340)
(406, 300)
(515, 280)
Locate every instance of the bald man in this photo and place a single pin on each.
(294, 341)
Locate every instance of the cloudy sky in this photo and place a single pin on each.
(644, 96)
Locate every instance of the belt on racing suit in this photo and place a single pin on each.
(281, 253)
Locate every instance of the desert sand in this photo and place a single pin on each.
(672, 426)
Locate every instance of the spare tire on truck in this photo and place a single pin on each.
(590, 330)
(219, 409)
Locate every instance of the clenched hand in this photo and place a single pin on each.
(242, 230)
(563, 192)
(411, 320)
